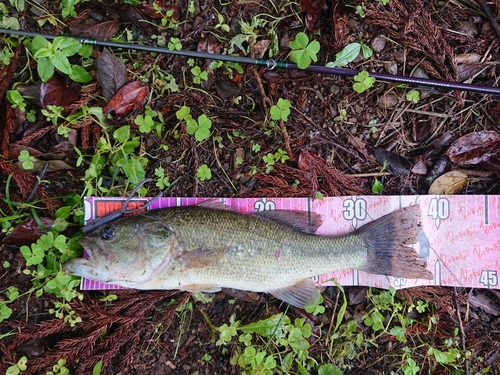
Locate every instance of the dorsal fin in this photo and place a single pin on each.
(304, 221)
(215, 204)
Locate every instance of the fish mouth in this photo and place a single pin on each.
(94, 265)
(95, 253)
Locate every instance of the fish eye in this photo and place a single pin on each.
(107, 233)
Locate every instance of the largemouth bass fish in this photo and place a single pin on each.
(206, 248)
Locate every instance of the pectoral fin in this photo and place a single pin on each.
(303, 294)
(199, 258)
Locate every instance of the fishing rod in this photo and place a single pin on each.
(273, 64)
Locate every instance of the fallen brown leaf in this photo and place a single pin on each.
(474, 147)
(129, 98)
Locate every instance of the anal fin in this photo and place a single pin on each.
(195, 288)
(302, 294)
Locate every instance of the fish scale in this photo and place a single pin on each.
(253, 258)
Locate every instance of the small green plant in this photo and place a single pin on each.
(6, 53)
(378, 186)
(204, 173)
(16, 99)
(349, 53)
(445, 357)
(199, 128)
(44, 258)
(220, 23)
(131, 165)
(64, 311)
(413, 96)
(50, 248)
(174, 44)
(411, 367)
(69, 8)
(303, 51)
(53, 114)
(167, 19)
(281, 110)
(229, 67)
(270, 128)
(116, 154)
(162, 181)
(59, 368)
(206, 357)
(384, 2)
(7, 21)
(361, 10)
(270, 159)
(147, 122)
(97, 368)
(166, 82)
(248, 31)
(342, 116)
(318, 308)
(18, 367)
(185, 313)
(55, 55)
(384, 303)
(199, 75)
(5, 311)
(272, 345)
(362, 82)
(18, 5)
(27, 161)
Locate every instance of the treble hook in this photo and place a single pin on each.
(123, 211)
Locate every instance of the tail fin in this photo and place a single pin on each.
(387, 240)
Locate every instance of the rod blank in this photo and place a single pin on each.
(272, 64)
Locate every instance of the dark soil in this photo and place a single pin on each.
(331, 153)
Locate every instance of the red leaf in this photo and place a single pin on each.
(27, 232)
(304, 163)
(225, 90)
(132, 14)
(209, 45)
(492, 164)
(421, 129)
(437, 146)
(129, 98)
(342, 30)
(111, 73)
(474, 148)
(149, 11)
(313, 9)
(103, 31)
(420, 167)
(396, 164)
(59, 91)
